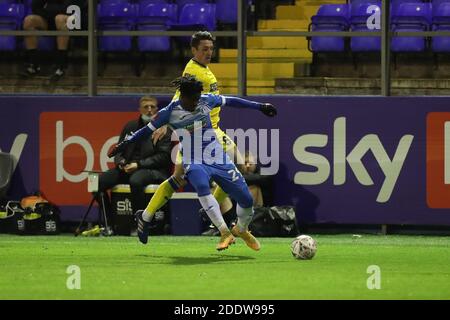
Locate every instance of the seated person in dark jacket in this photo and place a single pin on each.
(142, 163)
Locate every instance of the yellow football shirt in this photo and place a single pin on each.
(204, 75)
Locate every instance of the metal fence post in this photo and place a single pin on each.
(242, 50)
(92, 49)
(385, 50)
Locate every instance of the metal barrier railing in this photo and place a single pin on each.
(241, 34)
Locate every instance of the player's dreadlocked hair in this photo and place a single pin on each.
(188, 85)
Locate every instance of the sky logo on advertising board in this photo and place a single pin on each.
(72, 142)
(438, 160)
(391, 167)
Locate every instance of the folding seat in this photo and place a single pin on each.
(359, 17)
(436, 3)
(115, 17)
(145, 2)
(226, 11)
(197, 17)
(182, 3)
(410, 17)
(11, 17)
(112, 1)
(397, 3)
(155, 16)
(329, 17)
(441, 22)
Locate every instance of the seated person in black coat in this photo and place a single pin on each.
(142, 163)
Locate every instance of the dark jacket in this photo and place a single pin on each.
(144, 152)
(50, 8)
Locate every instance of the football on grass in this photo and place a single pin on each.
(303, 247)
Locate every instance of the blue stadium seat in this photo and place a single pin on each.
(359, 15)
(145, 2)
(195, 17)
(11, 16)
(115, 17)
(329, 17)
(155, 16)
(103, 2)
(182, 3)
(410, 17)
(441, 22)
(226, 11)
(198, 16)
(157, 13)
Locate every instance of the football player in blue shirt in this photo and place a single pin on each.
(203, 157)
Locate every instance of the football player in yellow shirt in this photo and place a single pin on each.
(202, 46)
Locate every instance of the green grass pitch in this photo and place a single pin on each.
(411, 267)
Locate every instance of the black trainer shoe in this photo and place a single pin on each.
(30, 70)
(58, 74)
(211, 232)
(142, 227)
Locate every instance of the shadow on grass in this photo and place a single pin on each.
(180, 260)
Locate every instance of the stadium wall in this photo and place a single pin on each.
(343, 160)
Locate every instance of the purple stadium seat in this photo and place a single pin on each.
(198, 16)
(103, 2)
(195, 17)
(396, 3)
(182, 3)
(226, 11)
(11, 16)
(359, 16)
(112, 17)
(145, 2)
(157, 16)
(153, 44)
(441, 22)
(436, 7)
(410, 17)
(329, 17)
(157, 13)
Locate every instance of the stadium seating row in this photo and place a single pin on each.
(406, 15)
(113, 15)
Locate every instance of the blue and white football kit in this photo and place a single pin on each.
(204, 159)
(203, 156)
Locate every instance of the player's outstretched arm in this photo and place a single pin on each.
(266, 108)
(131, 138)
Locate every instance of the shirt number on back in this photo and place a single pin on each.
(234, 175)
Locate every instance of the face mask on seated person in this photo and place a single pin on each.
(146, 118)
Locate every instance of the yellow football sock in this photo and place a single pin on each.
(220, 195)
(160, 198)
